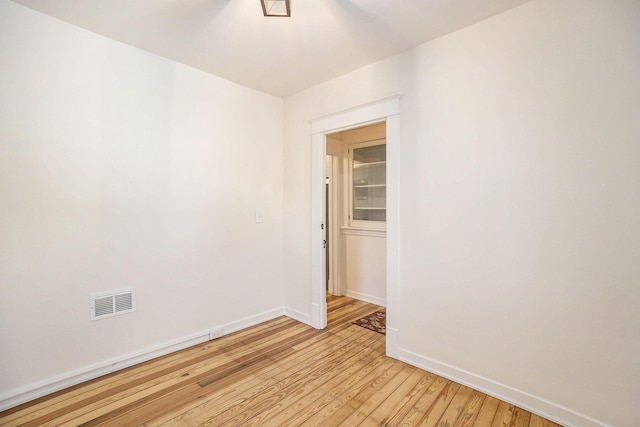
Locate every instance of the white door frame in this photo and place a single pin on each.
(332, 226)
(387, 109)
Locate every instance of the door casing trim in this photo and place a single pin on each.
(382, 110)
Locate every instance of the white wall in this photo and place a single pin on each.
(364, 265)
(119, 168)
(519, 203)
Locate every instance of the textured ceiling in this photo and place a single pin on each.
(281, 56)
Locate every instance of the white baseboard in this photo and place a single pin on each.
(317, 315)
(298, 315)
(549, 410)
(392, 349)
(247, 322)
(366, 298)
(60, 382)
(33, 391)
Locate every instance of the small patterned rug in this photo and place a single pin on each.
(375, 321)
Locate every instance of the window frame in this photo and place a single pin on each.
(358, 223)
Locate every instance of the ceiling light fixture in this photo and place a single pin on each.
(276, 8)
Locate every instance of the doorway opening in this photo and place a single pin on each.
(386, 110)
(355, 214)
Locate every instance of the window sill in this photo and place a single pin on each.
(364, 231)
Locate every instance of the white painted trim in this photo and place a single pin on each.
(318, 258)
(369, 232)
(386, 109)
(393, 234)
(298, 315)
(392, 342)
(549, 410)
(247, 322)
(33, 391)
(319, 315)
(367, 298)
(330, 234)
(59, 382)
(334, 229)
(358, 116)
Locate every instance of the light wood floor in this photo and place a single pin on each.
(279, 373)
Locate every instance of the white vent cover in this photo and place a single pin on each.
(112, 303)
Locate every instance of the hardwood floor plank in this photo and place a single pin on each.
(511, 416)
(295, 388)
(406, 399)
(293, 413)
(432, 415)
(146, 389)
(538, 421)
(365, 403)
(110, 384)
(95, 390)
(122, 395)
(278, 373)
(471, 410)
(141, 414)
(335, 388)
(456, 407)
(290, 365)
(217, 401)
(424, 402)
(357, 312)
(317, 351)
(487, 411)
(270, 397)
(334, 411)
(521, 417)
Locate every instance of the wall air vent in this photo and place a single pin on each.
(112, 303)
